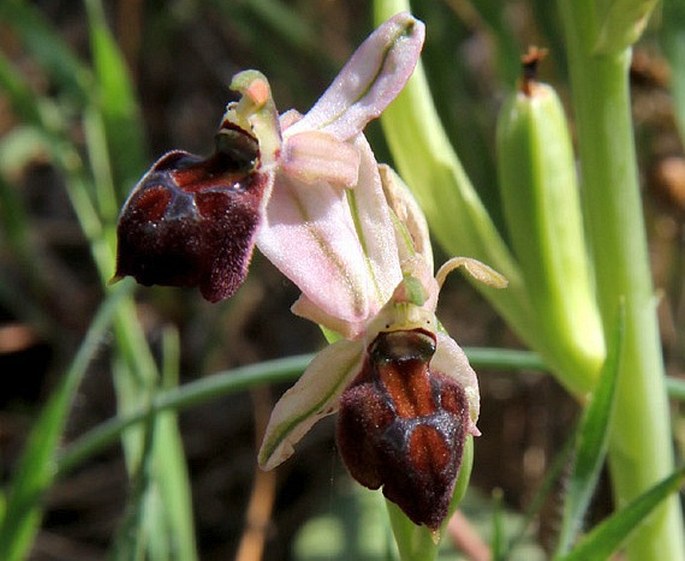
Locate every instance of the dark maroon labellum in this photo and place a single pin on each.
(402, 426)
(191, 221)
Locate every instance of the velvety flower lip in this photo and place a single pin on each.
(192, 221)
(406, 399)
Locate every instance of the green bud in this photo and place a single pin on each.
(541, 203)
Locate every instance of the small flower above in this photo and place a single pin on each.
(277, 182)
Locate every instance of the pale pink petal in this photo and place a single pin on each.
(305, 308)
(308, 233)
(450, 360)
(315, 156)
(314, 396)
(412, 228)
(370, 80)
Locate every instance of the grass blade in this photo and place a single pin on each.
(36, 469)
(228, 382)
(608, 536)
(173, 480)
(116, 102)
(44, 42)
(592, 443)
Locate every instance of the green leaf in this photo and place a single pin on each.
(499, 538)
(117, 103)
(592, 441)
(37, 467)
(228, 382)
(173, 479)
(20, 94)
(135, 534)
(608, 536)
(621, 23)
(49, 48)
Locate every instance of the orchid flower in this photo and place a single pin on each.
(307, 190)
(406, 394)
(280, 182)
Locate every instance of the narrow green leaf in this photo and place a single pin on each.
(49, 48)
(232, 381)
(117, 102)
(20, 94)
(499, 538)
(37, 467)
(173, 480)
(676, 388)
(593, 441)
(608, 536)
(133, 536)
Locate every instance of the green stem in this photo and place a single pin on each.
(640, 451)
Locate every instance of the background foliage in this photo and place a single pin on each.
(89, 95)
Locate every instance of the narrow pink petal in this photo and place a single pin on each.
(450, 360)
(412, 230)
(376, 230)
(370, 80)
(314, 396)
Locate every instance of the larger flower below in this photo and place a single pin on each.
(406, 395)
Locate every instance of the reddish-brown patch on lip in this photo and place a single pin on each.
(402, 358)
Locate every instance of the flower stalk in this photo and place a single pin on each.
(640, 450)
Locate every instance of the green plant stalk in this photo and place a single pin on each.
(640, 448)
